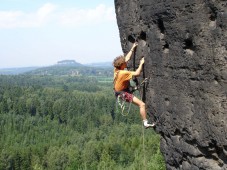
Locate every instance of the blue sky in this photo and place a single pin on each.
(40, 32)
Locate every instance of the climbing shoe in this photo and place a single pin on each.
(148, 125)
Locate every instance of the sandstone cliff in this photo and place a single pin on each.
(185, 47)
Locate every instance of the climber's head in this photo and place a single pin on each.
(119, 62)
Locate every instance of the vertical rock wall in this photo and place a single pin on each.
(185, 47)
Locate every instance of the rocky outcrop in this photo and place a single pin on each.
(185, 47)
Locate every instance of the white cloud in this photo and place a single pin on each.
(75, 17)
(8, 19)
(15, 19)
(49, 13)
(45, 11)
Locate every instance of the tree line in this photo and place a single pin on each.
(63, 122)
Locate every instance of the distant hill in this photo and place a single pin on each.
(14, 71)
(68, 63)
(100, 64)
(72, 70)
(64, 67)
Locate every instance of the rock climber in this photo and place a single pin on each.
(122, 79)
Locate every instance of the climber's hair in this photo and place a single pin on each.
(118, 61)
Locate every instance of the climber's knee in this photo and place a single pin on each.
(138, 102)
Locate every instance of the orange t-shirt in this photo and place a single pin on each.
(121, 79)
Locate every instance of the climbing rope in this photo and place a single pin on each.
(144, 157)
(138, 87)
(122, 103)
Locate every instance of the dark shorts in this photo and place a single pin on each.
(128, 97)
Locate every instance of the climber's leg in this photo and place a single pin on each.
(143, 113)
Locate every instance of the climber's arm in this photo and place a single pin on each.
(139, 69)
(128, 56)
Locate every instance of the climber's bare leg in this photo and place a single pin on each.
(142, 107)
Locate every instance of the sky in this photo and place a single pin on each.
(40, 32)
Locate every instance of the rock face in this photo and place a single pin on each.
(185, 47)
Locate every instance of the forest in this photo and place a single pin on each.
(60, 122)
